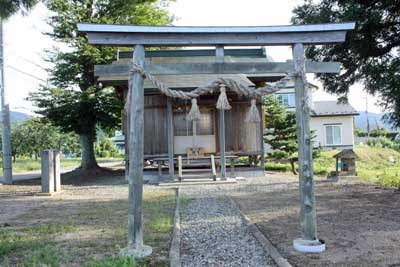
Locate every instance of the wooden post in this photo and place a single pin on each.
(159, 164)
(307, 198)
(180, 168)
(214, 172)
(262, 152)
(219, 57)
(170, 132)
(126, 119)
(232, 161)
(136, 136)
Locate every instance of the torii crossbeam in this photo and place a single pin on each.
(294, 35)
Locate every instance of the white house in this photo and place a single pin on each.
(331, 122)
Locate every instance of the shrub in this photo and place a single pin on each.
(383, 142)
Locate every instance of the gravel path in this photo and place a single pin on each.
(214, 234)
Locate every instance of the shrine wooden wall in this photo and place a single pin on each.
(241, 138)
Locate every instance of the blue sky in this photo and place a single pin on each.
(25, 42)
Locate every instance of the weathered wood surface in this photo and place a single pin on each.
(307, 198)
(213, 169)
(180, 168)
(155, 125)
(126, 35)
(261, 136)
(122, 69)
(170, 133)
(136, 143)
(219, 58)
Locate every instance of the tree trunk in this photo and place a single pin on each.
(292, 166)
(88, 157)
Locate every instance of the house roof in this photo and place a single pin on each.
(332, 108)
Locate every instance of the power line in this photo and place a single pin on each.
(26, 73)
(29, 61)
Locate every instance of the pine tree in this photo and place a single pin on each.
(280, 130)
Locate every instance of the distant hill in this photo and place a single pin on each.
(16, 116)
(361, 121)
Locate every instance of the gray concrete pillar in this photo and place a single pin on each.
(57, 170)
(48, 171)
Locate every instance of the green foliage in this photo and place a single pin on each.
(74, 101)
(32, 136)
(43, 256)
(118, 261)
(79, 111)
(370, 52)
(383, 142)
(282, 167)
(280, 128)
(10, 7)
(359, 132)
(106, 148)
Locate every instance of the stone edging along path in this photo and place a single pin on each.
(174, 252)
(264, 241)
(175, 259)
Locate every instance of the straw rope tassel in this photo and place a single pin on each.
(253, 116)
(194, 113)
(223, 102)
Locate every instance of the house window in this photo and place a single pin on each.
(205, 126)
(333, 134)
(287, 100)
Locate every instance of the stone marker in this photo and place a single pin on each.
(57, 170)
(48, 172)
(51, 172)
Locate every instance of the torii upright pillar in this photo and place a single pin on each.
(136, 248)
(309, 241)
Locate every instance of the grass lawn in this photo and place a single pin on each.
(85, 228)
(26, 165)
(374, 165)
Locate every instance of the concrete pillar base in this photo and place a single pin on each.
(309, 246)
(137, 253)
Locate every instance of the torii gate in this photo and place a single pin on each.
(295, 35)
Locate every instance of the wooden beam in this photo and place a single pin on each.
(219, 58)
(136, 138)
(170, 132)
(216, 68)
(307, 199)
(128, 35)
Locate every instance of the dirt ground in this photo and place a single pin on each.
(360, 223)
(86, 221)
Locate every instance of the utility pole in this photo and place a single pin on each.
(5, 117)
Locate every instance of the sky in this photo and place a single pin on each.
(25, 43)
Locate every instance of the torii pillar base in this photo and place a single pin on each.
(137, 253)
(309, 246)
